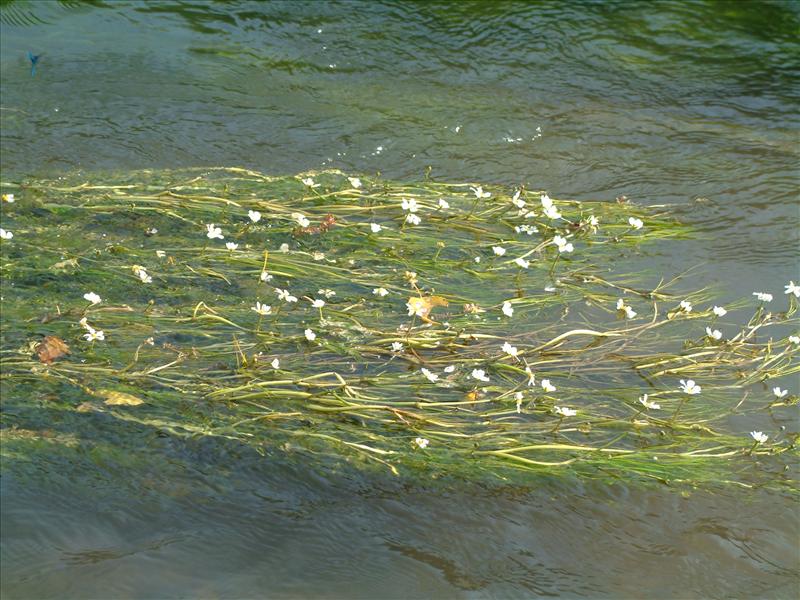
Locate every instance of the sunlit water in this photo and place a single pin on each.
(694, 104)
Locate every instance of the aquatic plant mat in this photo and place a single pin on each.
(415, 328)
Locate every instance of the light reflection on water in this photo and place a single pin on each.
(690, 103)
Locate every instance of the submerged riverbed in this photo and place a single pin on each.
(380, 480)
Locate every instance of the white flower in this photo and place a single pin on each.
(261, 309)
(285, 295)
(759, 437)
(8, 198)
(301, 219)
(518, 396)
(594, 221)
(531, 376)
(265, 276)
(552, 212)
(529, 229)
(326, 292)
(715, 334)
(477, 259)
(635, 223)
(443, 204)
(792, 288)
(410, 205)
(94, 335)
(355, 182)
(480, 375)
(141, 273)
(318, 303)
(565, 412)
(318, 256)
(254, 215)
(84, 323)
(498, 250)
(517, 201)
(231, 245)
(397, 347)
(214, 232)
(93, 298)
(685, 306)
(629, 312)
(417, 309)
(432, 377)
(509, 349)
(779, 393)
(763, 296)
(5, 235)
(421, 442)
(413, 219)
(546, 201)
(151, 231)
(309, 181)
(690, 387)
(507, 309)
(375, 227)
(563, 245)
(284, 247)
(450, 369)
(380, 292)
(795, 339)
(521, 262)
(719, 311)
(160, 253)
(479, 193)
(547, 386)
(648, 403)
(310, 335)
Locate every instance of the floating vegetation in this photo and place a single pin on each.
(428, 327)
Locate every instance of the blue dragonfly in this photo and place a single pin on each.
(34, 58)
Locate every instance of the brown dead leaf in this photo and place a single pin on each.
(423, 305)
(115, 398)
(51, 348)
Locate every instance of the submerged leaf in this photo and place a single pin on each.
(51, 348)
(114, 398)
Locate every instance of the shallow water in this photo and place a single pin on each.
(691, 104)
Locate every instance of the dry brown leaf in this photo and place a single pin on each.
(114, 398)
(423, 305)
(51, 348)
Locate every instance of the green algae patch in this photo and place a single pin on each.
(422, 327)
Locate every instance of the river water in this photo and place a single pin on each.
(692, 103)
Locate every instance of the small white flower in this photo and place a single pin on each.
(261, 309)
(231, 246)
(285, 295)
(648, 403)
(160, 253)
(310, 335)
(443, 204)
(563, 245)
(5, 235)
(93, 335)
(409, 205)
(141, 273)
(531, 377)
(719, 311)
(550, 288)
(547, 386)
(284, 247)
(594, 222)
(375, 227)
(518, 396)
(301, 219)
(565, 412)
(318, 256)
(380, 292)
(214, 232)
(629, 312)
(690, 387)
(507, 309)
(480, 375)
(546, 201)
(317, 303)
(792, 288)
(510, 350)
(759, 437)
(8, 198)
(397, 347)
(685, 306)
(795, 339)
(635, 223)
(421, 442)
(93, 298)
(715, 334)
(450, 369)
(84, 323)
(413, 219)
(432, 377)
(521, 262)
(763, 296)
(479, 193)
(417, 309)
(517, 201)
(498, 250)
(309, 181)
(477, 259)
(326, 292)
(355, 182)
(529, 229)
(265, 276)
(151, 231)
(254, 215)
(779, 393)
(552, 212)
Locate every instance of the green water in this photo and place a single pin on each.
(682, 103)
